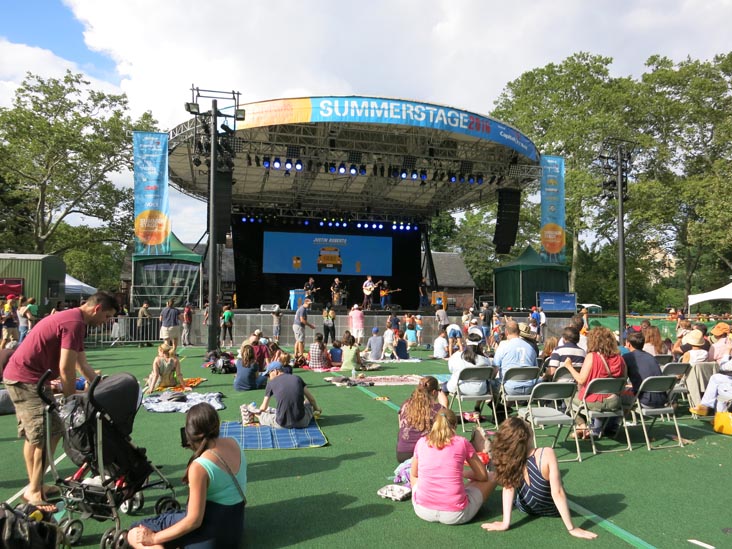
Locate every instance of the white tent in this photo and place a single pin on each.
(76, 287)
(723, 293)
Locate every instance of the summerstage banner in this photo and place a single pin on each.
(553, 236)
(152, 220)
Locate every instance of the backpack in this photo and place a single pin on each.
(27, 527)
(223, 364)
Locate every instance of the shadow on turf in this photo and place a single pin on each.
(264, 470)
(335, 513)
(340, 419)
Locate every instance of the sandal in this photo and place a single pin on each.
(582, 433)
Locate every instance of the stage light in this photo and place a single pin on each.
(251, 220)
(321, 223)
(306, 222)
(240, 114)
(227, 130)
(480, 179)
(342, 168)
(381, 170)
(277, 163)
(471, 178)
(492, 180)
(193, 108)
(403, 174)
(345, 224)
(287, 173)
(461, 178)
(423, 175)
(452, 178)
(358, 225)
(298, 165)
(244, 219)
(330, 223)
(196, 161)
(332, 168)
(500, 180)
(393, 227)
(353, 170)
(409, 227)
(362, 170)
(259, 220)
(288, 164)
(256, 160)
(415, 175)
(373, 226)
(266, 162)
(381, 225)
(337, 223)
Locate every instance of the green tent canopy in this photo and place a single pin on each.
(516, 283)
(157, 278)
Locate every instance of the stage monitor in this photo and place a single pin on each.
(346, 254)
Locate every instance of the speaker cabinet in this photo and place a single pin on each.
(507, 219)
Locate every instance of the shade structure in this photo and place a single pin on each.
(720, 294)
(516, 283)
(77, 288)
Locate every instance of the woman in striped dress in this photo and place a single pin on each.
(530, 478)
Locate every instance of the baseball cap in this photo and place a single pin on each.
(10, 296)
(474, 330)
(720, 328)
(474, 321)
(276, 365)
(355, 306)
(374, 330)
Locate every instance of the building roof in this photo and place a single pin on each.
(451, 270)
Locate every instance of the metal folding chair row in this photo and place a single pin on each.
(481, 373)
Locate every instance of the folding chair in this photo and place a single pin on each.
(656, 384)
(604, 386)
(562, 374)
(680, 370)
(482, 373)
(664, 359)
(528, 373)
(542, 416)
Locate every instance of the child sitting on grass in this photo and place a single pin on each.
(165, 371)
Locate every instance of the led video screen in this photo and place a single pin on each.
(309, 253)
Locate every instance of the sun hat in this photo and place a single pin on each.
(525, 331)
(694, 338)
(720, 329)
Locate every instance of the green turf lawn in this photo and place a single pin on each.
(327, 496)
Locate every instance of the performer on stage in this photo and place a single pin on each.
(336, 292)
(310, 288)
(385, 295)
(424, 300)
(369, 287)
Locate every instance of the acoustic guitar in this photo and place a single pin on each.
(369, 291)
(384, 293)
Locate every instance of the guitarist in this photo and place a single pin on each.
(368, 292)
(385, 294)
(310, 288)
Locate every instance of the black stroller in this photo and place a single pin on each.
(113, 472)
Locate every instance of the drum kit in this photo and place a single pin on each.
(339, 298)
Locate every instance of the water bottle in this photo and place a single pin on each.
(353, 373)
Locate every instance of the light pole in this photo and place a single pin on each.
(213, 279)
(615, 162)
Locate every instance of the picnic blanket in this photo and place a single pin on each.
(261, 437)
(342, 381)
(395, 360)
(159, 402)
(187, 381)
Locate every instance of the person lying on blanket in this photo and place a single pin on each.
(293, 410)
(165, 371)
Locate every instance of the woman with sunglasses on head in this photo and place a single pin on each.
(216, 476)
(530, 478)
(439, 493)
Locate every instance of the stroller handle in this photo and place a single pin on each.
(93, 386)
(39, 388)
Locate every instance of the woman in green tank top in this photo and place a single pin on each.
(165, 371)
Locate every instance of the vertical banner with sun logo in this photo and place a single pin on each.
(553, 236)
(152, 220)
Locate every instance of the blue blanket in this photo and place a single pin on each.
(266, 438)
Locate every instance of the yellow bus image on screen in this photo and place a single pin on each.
(330, 258)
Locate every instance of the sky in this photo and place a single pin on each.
(460, 53)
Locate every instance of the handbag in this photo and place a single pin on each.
(723, 423)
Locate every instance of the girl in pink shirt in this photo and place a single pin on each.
(439, 493)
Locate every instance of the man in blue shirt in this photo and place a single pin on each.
(298, 326)
(514, 352)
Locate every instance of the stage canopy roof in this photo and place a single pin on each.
(380, 137)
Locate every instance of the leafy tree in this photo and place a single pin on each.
(15, 222)
(442, 232)
(59, 143)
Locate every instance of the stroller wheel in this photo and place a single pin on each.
(73, 530)
(109, 539)
(165, 504)
(121, 541)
